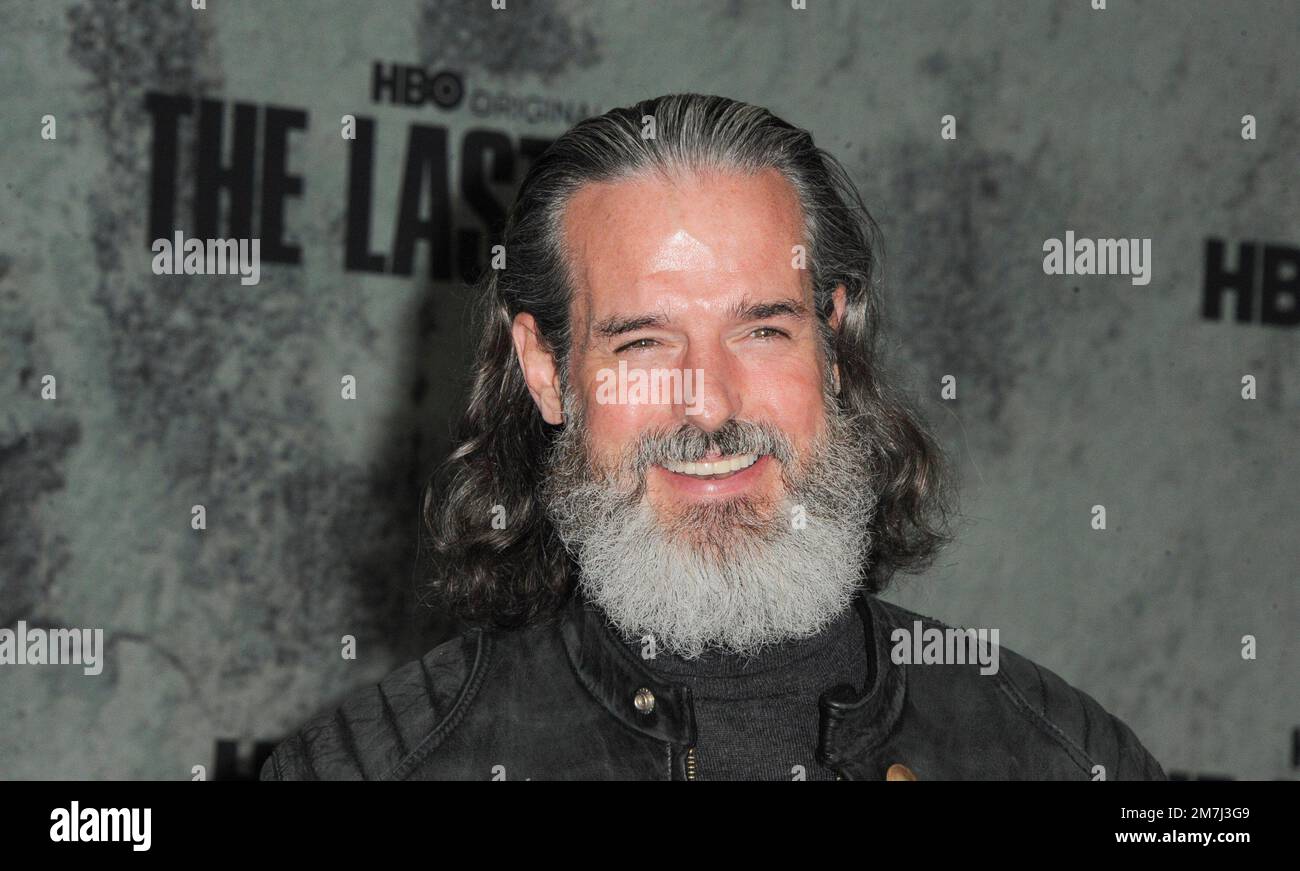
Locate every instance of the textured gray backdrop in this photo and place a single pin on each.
(1072, 391)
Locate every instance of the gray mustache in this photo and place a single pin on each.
(690, 444)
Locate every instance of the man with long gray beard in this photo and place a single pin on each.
(677, 588)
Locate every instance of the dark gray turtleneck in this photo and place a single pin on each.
(757, 718)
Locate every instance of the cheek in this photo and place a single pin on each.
(612, 428)
(788, 395)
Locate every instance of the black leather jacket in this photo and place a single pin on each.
(566, 700)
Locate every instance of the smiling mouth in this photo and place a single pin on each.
(721, 467)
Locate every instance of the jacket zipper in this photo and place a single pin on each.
(691, 765)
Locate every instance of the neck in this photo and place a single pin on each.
(778, 663)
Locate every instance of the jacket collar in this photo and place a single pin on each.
(614, 676)
(852, 723)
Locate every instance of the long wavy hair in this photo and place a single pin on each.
(516, 570)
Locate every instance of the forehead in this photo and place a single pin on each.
(637, 242)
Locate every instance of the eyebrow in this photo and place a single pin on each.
(617, 325)
(744, 310)
(759, 311)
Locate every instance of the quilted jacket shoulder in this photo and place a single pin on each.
(377, 729)
(1087, 739)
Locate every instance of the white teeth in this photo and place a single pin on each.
(720, 466)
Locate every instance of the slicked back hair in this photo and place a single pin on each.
(514, 575)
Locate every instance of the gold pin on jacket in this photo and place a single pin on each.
(898, 771)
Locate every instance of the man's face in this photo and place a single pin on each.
(735, 517)
(700, 277)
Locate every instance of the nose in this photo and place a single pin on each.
(717, 395)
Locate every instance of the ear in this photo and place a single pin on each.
(538, 367)
(839, 298)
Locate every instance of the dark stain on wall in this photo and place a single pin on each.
(945, 215)
(32, 554)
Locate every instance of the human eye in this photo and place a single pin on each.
(636, 345)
